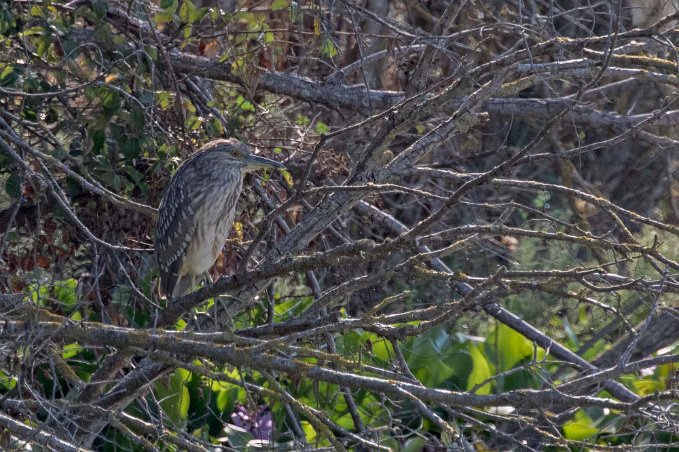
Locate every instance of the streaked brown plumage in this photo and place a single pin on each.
(197, 212)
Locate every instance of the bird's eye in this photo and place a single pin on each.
(236, 153)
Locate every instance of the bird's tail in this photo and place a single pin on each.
(184, 285)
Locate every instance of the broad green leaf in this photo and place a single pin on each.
(165, 99)
(6, 71)
(244, 104)
(110, 100)
(238, 437)
(64, 292)
(512, 347)
(167, 13)
(414, 444)
(580, 428)
(226, 398)
(480, 372)
(287, 177)
(436, 357)
(648, 386)
(309, 431)
(43, 45)
(194, 123)
(345, 421)
(70, 350)
(329, 49)
(382, 348)
(277, 5)
(174, 395)
(7, 382)
(189, 13)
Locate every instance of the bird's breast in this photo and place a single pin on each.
(215, 219)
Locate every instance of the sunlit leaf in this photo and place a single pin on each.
(382, 349)
(480, 371)
(277, 5)
(321, 128)
(580, 428)
(64, 292)
(167, 13)
(244, 104)
(7, 382)
(329, 49)
(68, 351)
(174, 395)
(512, 347)
(287, 177)
(648, 386)
(6, 71)
(309, 431)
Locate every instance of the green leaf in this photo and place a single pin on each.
(648, 386)
(165, 99)
(6, 71)
(174, 395)
(414, 444)
(329, 49)
(382, 348)
(321, 128)
(287, 177)
(187, 31)
(189, 13)
(278, 5)
(70, 350)
(194, 123)
(7, 382)
(226, 399)
(64, 292)
(110, 100)
(303, 120)
(167, 13)
(309, 431)
(480, 370)
(437, 357)
(43, 44)
(541, 200)
(238, 437)
(580, 428)
(512, 347)
(13, 185)
(244, 104)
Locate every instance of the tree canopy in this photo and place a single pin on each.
(474, 244)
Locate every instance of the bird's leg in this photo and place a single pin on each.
(207, 278)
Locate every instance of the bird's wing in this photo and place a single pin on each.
(176, 226)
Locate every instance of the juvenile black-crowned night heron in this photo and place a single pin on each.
(197, 211)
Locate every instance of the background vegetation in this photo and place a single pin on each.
(474, 246)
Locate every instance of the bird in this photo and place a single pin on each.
(197, 211)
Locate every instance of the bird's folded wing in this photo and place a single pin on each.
(176, 226)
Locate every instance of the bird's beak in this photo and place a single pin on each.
(256, 161)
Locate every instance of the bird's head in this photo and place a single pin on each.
(240, 155)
